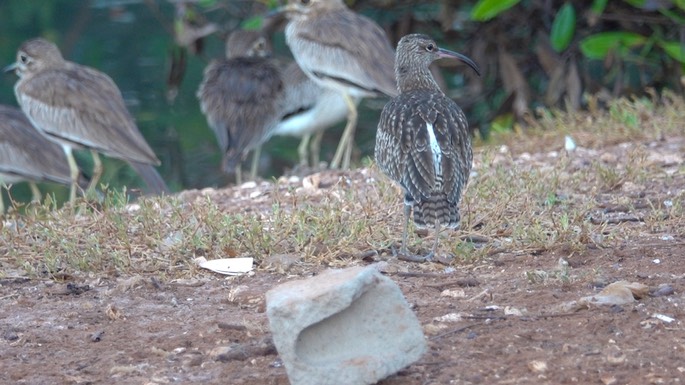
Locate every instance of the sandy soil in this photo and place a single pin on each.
(505, 319)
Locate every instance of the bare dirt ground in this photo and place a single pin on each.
(504, 317)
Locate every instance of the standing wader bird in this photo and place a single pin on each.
(80, 107)
(423, 141)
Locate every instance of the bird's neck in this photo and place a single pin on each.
(411, 78)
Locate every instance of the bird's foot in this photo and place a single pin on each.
(404, 255)
(430, 257)
(411, 258)
(443, 259)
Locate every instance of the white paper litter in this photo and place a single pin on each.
(663, 318)
(226, 266)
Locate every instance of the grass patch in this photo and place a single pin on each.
(527, 196)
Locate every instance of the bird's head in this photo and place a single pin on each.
(243, 43)
(417, 50)
(296, 9)
(34, 56)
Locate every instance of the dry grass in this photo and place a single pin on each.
(527, 195)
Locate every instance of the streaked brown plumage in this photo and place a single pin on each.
(240, 97)
(78, 106)
(423, 142)
(308, 110)
(26, 155)
(344, 51)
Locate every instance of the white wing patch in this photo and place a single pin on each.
(437, 152)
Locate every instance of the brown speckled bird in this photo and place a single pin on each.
(80, 107)
(241, 98)
(343, 51)
(423, 142)
(28, 156)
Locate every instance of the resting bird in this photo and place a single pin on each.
(240, 96)
(423, 142)
(342, 51)
(27, 156)
(78, 106)
(309, 109)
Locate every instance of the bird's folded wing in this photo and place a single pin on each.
(356, 43)
(84, 107)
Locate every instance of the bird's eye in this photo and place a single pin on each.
(23, 58)
(304, 2)
(430, 47)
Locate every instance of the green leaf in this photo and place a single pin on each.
(485, 10)
(598, 6)
(599, 45)
(673, 15)
(674, 49)
(252, 23)
(563, 27)
(207, 3)
(636, 3)
(680, 4)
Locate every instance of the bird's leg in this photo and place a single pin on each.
(407, 212)
(238, 174)
(97, 173)
(315, 148)
(2, 203)
(347, 138)
(73, 168)
(35, 192)
(404, 254)
(432, 254)
(302, 149)
(350, 139)
(255, 162)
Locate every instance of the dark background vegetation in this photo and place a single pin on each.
(533, 53)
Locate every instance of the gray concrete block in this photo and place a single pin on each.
(343, 327)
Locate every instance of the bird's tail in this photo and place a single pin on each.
(154, 181)
(437, 208)
(230, 161)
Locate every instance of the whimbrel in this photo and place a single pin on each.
(28, 156)
(344, 51)
(240, 96)
(308, 110)
(423, 142)
(80, 107)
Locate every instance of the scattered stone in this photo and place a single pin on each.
(350, 326)
(458, 293)
(608, 379)
(537, 366)
(242, 352)
(97, 336)
(282, 262)
(432, 329)
(617, 293)
(230, 326)
(509, 310)
(616, 356)
(663, 290)
(10, 335)
(451, 317)
(191, 359)
(113, 313)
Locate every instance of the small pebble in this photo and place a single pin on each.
(663, 290)
(97, 336)
(10, 335)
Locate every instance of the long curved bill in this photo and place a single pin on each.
(10, 67)
(444, 53)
